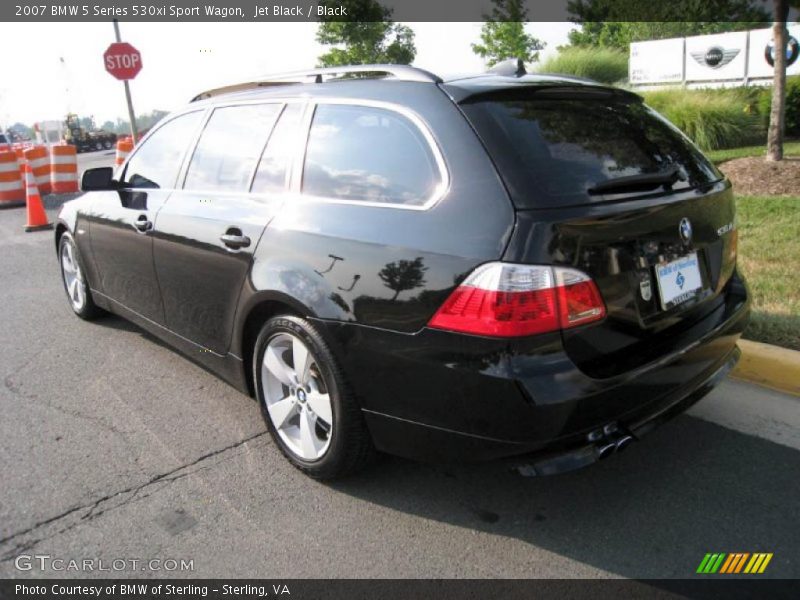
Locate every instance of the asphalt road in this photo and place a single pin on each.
(113, 446)
(92, 160)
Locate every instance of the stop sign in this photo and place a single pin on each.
(122, 60)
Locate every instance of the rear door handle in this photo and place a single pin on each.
(143, 224)
(235, 241)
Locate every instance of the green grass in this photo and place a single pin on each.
(713, 120)
(769, 247)
(606, 65)
(720, 156)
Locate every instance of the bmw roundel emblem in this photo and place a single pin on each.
(685, 230)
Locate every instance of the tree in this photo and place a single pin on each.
(777, 113)
(22, 131)
(503, 34)
(617, 23)
(403, 275)
(368, 37)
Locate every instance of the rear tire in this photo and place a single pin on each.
(72, 276)
(306, 401)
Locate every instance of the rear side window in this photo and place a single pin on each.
(551, 152)
(274, 164)
(368, 154)
(229, 147)
(156, 163)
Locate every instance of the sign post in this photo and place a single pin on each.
(124, 62)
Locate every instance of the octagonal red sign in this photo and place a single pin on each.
(122, 60)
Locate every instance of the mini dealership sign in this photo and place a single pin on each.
(122, 60)
(736, 58)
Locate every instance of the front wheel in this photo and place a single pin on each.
(80, 298)
(306, 401)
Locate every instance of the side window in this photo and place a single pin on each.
(368, 154)
(230, 146)
(157, 162)
(271, 173)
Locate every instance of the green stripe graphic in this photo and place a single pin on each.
(718, 564)
(702, 567)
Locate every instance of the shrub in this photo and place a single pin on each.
(792, 105)
(606, 65)
(713, 119)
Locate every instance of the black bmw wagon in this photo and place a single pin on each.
(504, 265)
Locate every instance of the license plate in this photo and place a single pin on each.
(679, 280)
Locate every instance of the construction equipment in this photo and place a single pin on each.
(87, 140)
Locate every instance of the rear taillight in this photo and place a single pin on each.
(508, 300)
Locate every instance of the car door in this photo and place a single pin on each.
(122, 222)
(208, 231)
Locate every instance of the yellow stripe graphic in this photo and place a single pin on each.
(756, 558)
(765, 563)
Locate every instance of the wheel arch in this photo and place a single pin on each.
(257, 310)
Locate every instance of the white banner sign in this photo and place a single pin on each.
(731, 57)
(715, 57)
(657, 61)
(759, 62)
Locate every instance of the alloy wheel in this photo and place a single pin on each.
(296, 397)
(73, 277)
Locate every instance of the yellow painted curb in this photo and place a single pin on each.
(770, 366)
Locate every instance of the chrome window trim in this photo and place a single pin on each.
(440, 190)
(123, 168)
(297, 161)
(184, 172)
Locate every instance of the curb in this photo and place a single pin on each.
(771, 366)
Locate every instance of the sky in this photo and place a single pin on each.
(182, 59)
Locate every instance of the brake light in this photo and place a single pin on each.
(509, 300)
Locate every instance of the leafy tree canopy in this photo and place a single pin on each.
(608, 22)
(503, 35)
(370, 36)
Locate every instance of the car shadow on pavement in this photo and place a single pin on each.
(654, 511)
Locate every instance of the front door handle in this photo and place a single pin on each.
(143, 224)
(236, 241)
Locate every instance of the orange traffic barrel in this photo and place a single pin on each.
(39, 161)
(37, 218)
(12, 188)
(63, 169)
(124, 147)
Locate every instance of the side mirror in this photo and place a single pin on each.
(99, 179)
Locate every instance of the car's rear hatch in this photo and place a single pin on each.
(604, 185)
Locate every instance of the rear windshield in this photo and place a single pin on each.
(552, 151)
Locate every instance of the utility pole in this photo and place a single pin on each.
(131, 115)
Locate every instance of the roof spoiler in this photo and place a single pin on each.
(398, 72)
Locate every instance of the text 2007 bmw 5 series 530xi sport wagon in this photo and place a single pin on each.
(496, 266)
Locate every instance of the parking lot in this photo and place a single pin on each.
(114, 446)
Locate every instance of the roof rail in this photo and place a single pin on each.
(513, 67)
(399, 72)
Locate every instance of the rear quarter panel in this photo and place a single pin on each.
(381, 266)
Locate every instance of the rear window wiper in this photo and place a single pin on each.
(645, 181)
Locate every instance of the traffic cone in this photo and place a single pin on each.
(37, 218)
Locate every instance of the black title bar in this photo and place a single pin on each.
(402, 10)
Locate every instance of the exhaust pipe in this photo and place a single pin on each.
(623, 442)
(609, 440)
(605, 449)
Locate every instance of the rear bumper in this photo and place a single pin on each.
(441, 396)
